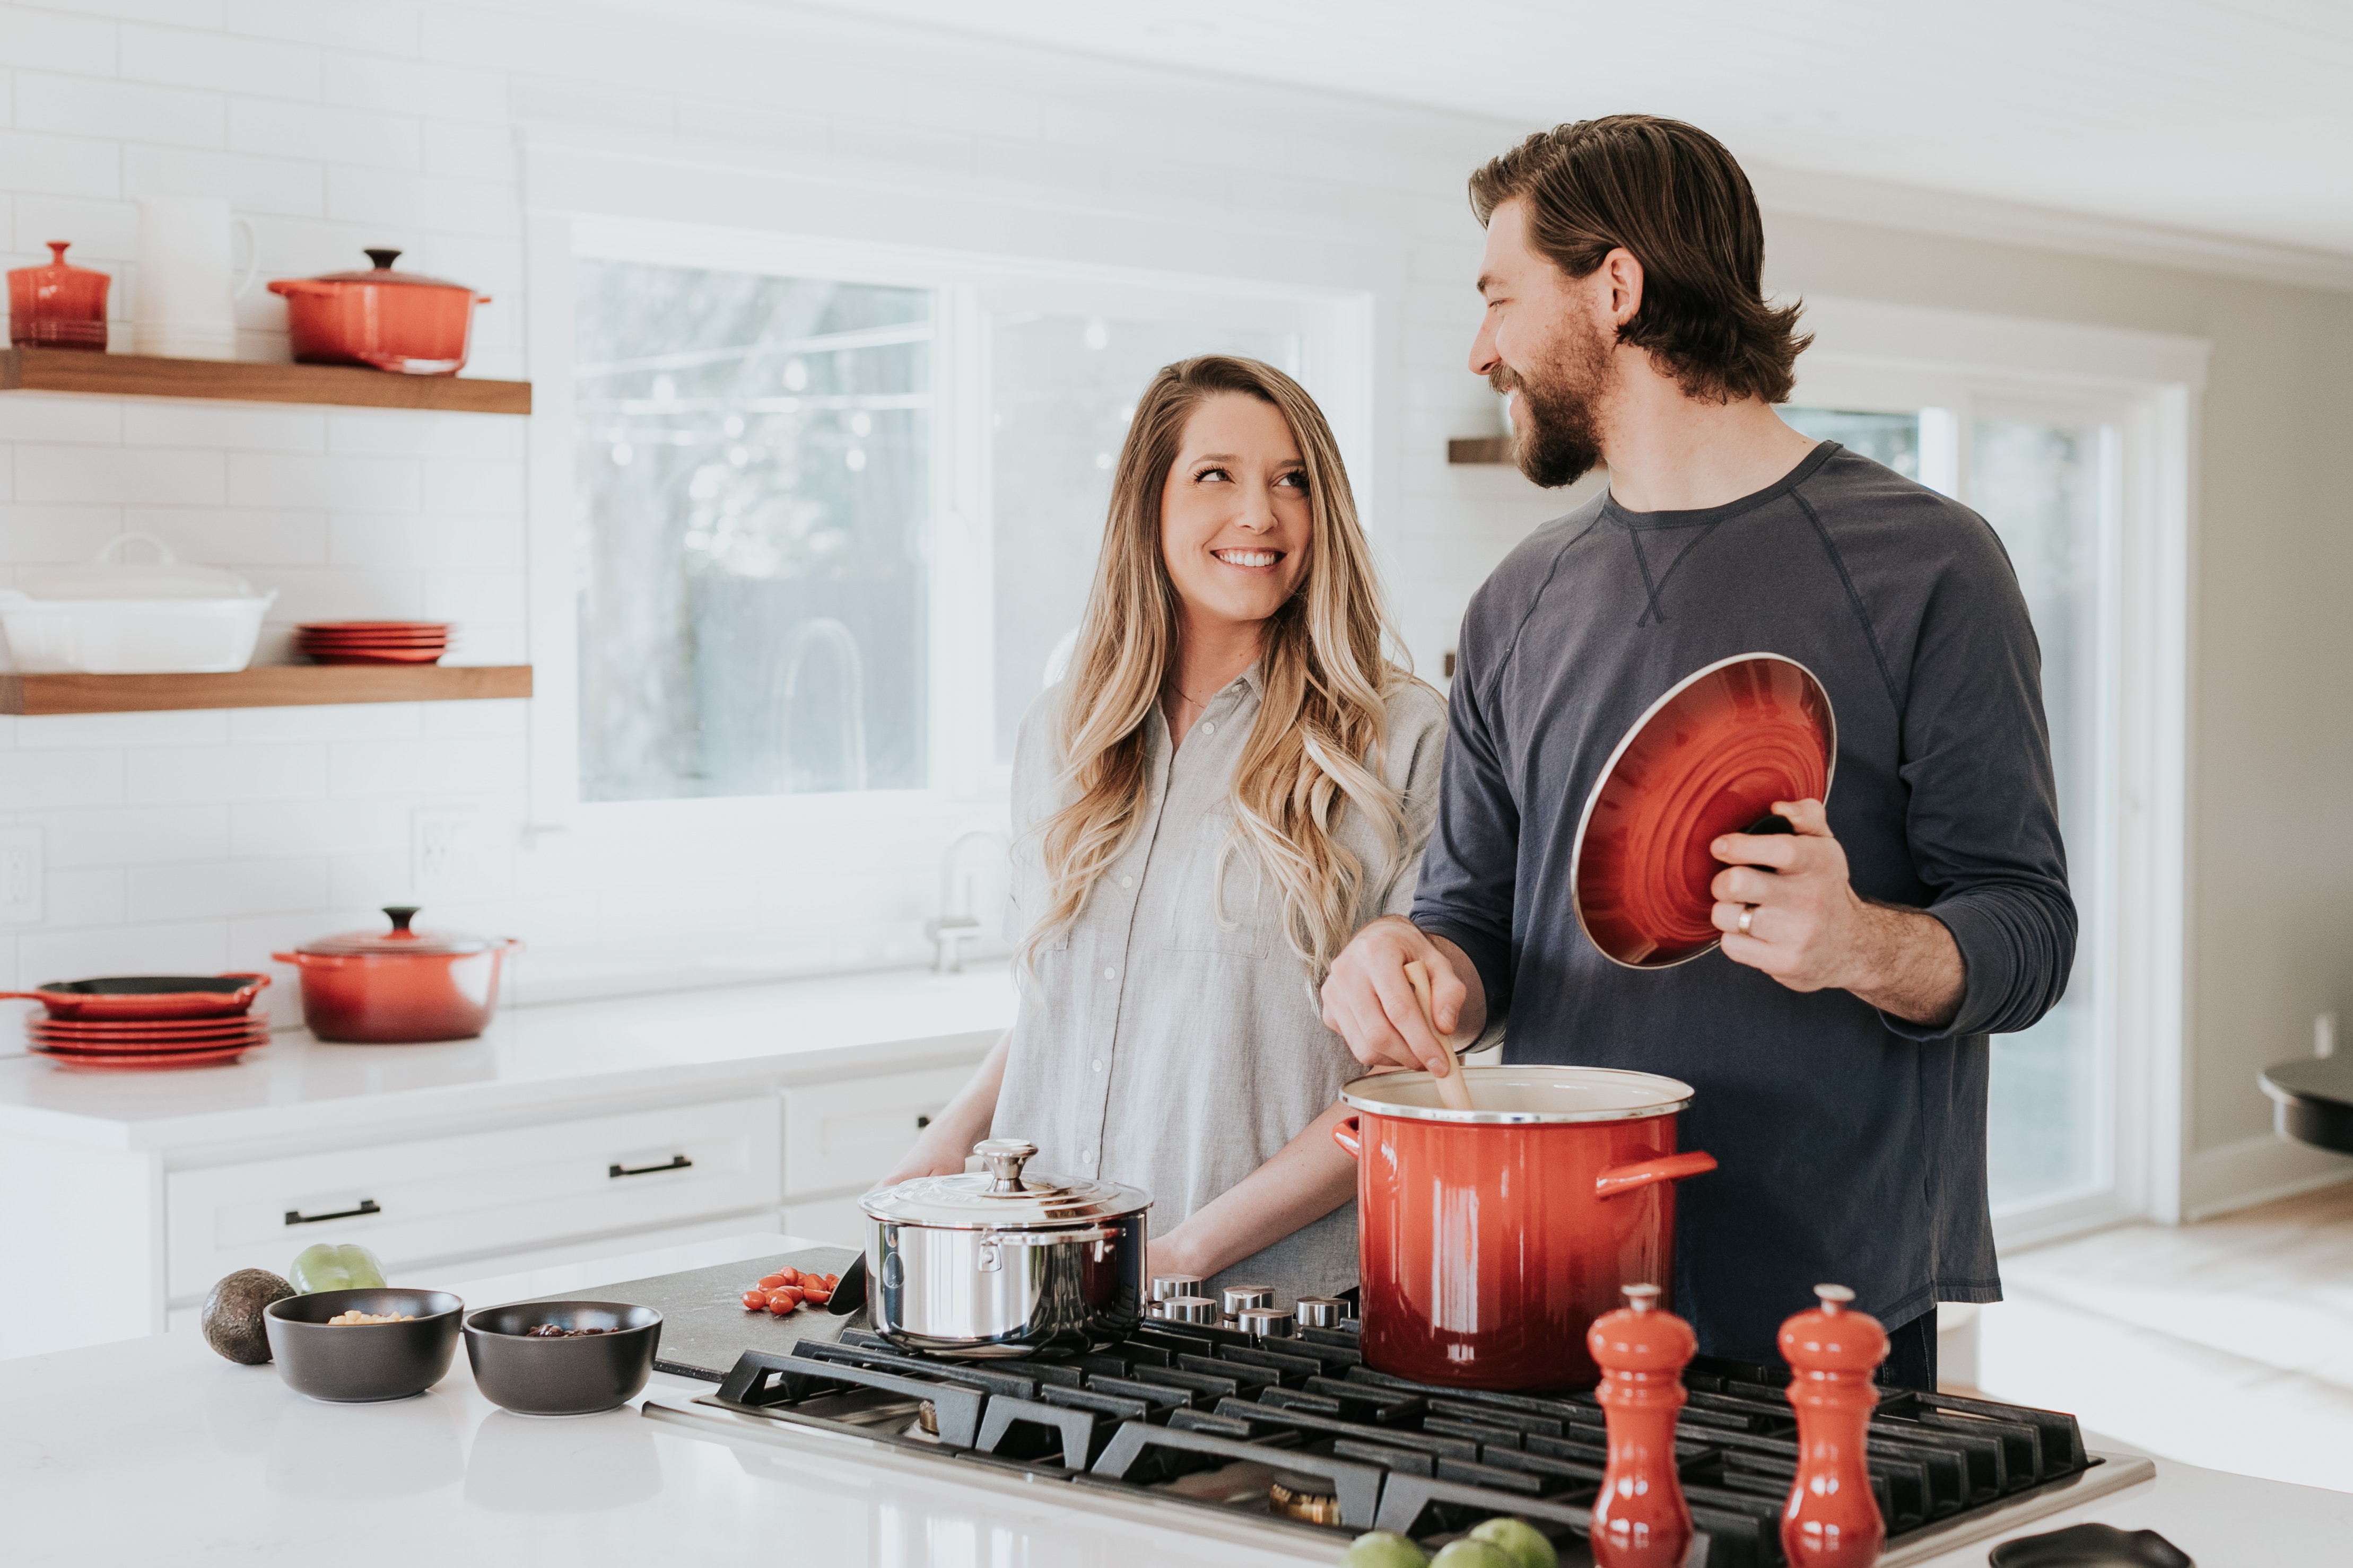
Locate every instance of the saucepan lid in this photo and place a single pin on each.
(399, 941)
(1708, 758)
(1535, 1094)
(1004, 1195)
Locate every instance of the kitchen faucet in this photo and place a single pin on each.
(958, 921)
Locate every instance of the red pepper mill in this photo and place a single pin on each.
(1833, 1521)
(1640, 1520)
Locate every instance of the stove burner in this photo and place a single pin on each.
(1302, 1496)
(1299, 1434)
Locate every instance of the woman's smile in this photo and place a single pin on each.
(1248, 558)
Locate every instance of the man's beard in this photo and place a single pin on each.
(1556, 436)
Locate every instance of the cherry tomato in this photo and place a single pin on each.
(770, 1281)
(781, 1302)
(816, 1298)
(756, 1300)
(788, 1276)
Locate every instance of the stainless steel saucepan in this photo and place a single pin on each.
(997, 1262)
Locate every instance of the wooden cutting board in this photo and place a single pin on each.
(705, 1324)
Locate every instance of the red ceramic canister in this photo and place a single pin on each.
(400, 986)
(58, 306)
(1490, 1239)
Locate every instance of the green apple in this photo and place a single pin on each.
(1384, 1549)
(1469, 1554)
(326, 1266)
(1522, 1542)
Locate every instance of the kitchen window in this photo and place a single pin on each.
(834, 509)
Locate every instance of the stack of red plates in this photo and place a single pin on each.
(373, 642)
(140, 1021)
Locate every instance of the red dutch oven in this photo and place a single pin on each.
(400, 321)
(1491, 1240)
(400, 986)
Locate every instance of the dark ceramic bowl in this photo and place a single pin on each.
(357, 1362)
(562, 1376)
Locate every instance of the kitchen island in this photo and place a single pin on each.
(565, 1131)
(155, 1450)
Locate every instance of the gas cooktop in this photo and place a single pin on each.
(1293, 1438)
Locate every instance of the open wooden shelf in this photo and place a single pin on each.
(264, 685)
(1479, 449)
(149, 375)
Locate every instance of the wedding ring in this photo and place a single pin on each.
(1747, 918)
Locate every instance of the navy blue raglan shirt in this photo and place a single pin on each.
(1850, 1145)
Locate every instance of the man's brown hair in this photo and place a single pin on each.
(1674, 196)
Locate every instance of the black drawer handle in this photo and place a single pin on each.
(921, 1122)
(367, 1206)
(675, 1162)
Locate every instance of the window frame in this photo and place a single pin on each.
(2142, 389)
(1333, 328)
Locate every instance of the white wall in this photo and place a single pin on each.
(201, 841)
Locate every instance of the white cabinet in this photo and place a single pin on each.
(843, 1137)
(839, 1222)
(476, 1194)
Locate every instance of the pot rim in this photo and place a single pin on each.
(1672, 1095)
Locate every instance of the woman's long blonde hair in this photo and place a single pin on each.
(1324, 674)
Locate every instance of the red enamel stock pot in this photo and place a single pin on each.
(1491, 1239)
(398, 986)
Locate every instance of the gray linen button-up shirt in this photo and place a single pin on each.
(1175, 1043)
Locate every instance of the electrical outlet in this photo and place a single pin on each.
(20, 875)
(441, 849)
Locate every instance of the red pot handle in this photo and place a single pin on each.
(1346, 1134)
(1619, 1179)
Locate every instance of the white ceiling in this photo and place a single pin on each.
(2227, 117)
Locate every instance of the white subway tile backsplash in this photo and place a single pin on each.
(188, 947)
(503, 716)
(463, 487)
(368, 881)
(318, 827)
(131, 835)
(383, 26)
(190, 727)
(87, 897)
(205, 57)
(30, 780)
(327, 595)
(476, 597)
(252, 187)
(473, 765)
(336, 135)
(130, 112)
(238, 425)
(223, 537)
(62, 165)
(440, 92)
(352, 484)
(216, 888)
(56, 41)
(340, 721)
(117, 474)
(230, 773)
(427, 540)
(402, 432)
(102, 232)
(463, 150)
(30, 417)
(422, 201)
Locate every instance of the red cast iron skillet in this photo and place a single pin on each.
(120, 997)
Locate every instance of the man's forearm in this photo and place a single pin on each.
(1910, 967)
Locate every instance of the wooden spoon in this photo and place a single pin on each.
(1452, 1088)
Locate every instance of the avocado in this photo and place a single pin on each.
(327, 1266)
(232, 1315)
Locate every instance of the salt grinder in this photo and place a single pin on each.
(1640, 1520)
(1832, 1519)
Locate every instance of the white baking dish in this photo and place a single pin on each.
(111, 617)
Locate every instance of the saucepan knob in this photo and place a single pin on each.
(1188, 1309)
(1005, 1157)
(1319, 1312)
(1263, 1323)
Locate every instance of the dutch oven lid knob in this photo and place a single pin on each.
(400, 915)
(1005, 1157)
(383, 258)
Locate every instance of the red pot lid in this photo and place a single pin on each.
(1709, 758)
(382, 272)
(399, 941)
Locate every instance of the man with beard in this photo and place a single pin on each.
(1837, 1041)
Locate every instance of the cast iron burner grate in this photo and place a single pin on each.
(1218, 1419)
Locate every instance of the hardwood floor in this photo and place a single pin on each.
(2228, 1343)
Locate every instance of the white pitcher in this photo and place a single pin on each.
(184, 306)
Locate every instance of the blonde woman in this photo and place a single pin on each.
(1231, 780)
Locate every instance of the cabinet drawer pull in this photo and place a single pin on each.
(675, 1162)
(367, 1206)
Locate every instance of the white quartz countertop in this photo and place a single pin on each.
(530, 1057)
(155, 1450)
